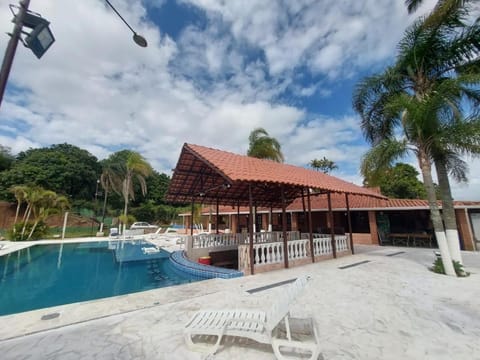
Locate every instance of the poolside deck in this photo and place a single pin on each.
(390, 307)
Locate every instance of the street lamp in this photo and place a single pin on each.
(139, 39)
(38, 40)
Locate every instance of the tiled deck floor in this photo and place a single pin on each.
(388, 308)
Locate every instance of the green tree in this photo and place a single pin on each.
(63, 168)
(422, 94)
(324, 165)
(399, 182)
(157, 187)
(6, 158)
(262, 146)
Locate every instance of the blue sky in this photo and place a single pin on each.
(213, 71)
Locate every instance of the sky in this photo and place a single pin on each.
(212, 72)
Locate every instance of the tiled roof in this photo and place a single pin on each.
(218, 169)
(319, 203)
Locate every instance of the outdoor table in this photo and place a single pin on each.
(399, 238)
(422, 240)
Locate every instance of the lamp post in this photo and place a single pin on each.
(139, 39)
(39, 39)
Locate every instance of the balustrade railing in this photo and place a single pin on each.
(268, 253)
(322, 243)
(297, 244)
(203, 241)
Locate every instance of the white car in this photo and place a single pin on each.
(142, 225)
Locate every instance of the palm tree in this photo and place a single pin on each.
(20, 192)
(110, 179)
(47, 203)
(324, 165)
(135, 168)
(422, 95)
(262, 146)
(441, 6)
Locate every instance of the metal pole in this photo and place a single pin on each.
(12, 47)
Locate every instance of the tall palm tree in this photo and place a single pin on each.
(262, 146)
(136, 168)
(440, 7)
(110, 180)
(422, 94)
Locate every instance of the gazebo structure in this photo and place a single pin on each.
(209, 176)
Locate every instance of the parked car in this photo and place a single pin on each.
(142, 225)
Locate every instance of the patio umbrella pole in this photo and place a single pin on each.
(349, 218)
(332, 230)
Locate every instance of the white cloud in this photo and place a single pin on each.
(96, 89)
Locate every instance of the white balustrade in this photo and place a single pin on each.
(342, 242)
(297, 249)
(203, 241)
(268, 253)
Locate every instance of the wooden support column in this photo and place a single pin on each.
(304, 208)
(270, 219)
(250, 228)
(191, 218)
(310, 225)
(216, 218)
(284, 229)
(238, 217)
(332, 230)
(349, 218)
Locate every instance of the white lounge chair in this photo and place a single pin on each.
(252, 324)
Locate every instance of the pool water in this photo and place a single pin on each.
(48, 275)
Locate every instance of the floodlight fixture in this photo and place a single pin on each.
(40, 38)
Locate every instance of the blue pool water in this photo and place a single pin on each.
(49, 275)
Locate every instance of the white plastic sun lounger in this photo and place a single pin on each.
(252, 324)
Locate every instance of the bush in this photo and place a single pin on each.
(41, 230)
(439, 269)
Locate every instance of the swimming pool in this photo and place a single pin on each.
(48, 275)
